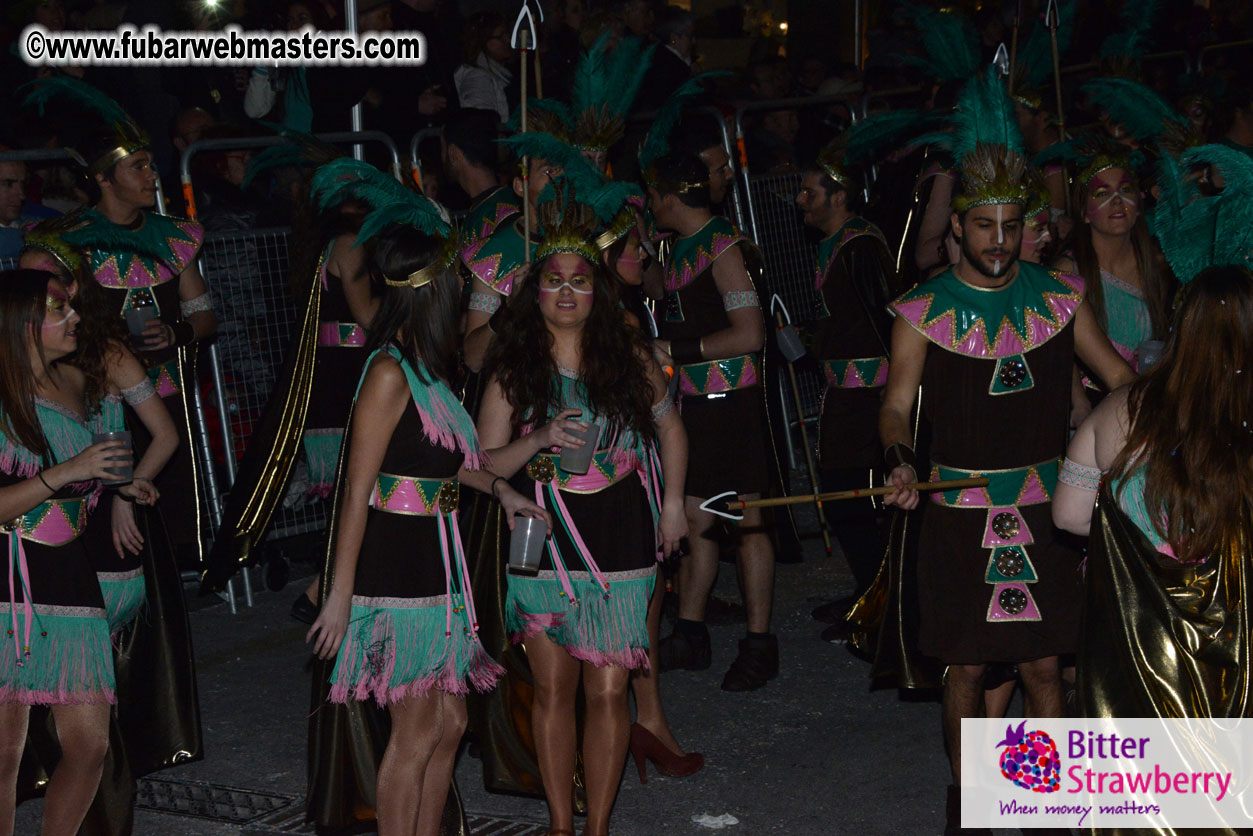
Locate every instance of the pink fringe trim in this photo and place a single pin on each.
(12, 696)
(482, 676)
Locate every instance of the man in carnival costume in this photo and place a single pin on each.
(711, 324)
(470, 154)
(992, 341)
(855, 280)
(145, 263)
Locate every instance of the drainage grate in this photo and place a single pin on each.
(217, 802)
(492, 826)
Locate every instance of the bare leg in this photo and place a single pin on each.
(13, 721)
(1042, 687)
(996, 700)
(605, 738)
(699, 569)
(439, 769)
(962, 692)
(645, 684)
(417, 727)
(83, 733)
(755, 568)
(556, 675)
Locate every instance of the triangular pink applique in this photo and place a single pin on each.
(1008, 340)
(852, 378)
(1033, 491)
(974, 498)
(915, 310)
(973, 342)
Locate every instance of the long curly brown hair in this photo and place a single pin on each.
(102, 335)
(614, 376)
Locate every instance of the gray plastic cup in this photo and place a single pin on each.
(123, 474)
(790, 345)
(137, 320)
(1148, 353)
(579, 459)
(526, 545)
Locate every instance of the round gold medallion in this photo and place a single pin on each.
(449, 496)
(1010, 563)
(1006, 525)
(1012, 600)
(542, 469)
(1013, 373)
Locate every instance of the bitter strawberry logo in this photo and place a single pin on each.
(1030, 759)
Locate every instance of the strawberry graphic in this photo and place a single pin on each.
(1030, 759)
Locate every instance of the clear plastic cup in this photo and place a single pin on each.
(137, 320)
(122, 474)
(526, 545)
(579, 459)
(790, 345)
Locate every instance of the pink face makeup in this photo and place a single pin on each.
(578, 281)
(1103, 194)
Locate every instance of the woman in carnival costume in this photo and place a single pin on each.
(56, 650)
(1159, 476)
(1126, 280)
(128, 546)
(113, 376)
(565, 350)
(399, 622)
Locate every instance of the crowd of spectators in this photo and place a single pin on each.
(472, 64)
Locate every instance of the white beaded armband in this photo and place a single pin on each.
(662, 408)
(140, 392)
(191, 306)
(1079, 476)
(487, 303)
(737, 299)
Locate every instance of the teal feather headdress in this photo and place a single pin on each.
(1131, 41)
(984, 139)
(881, 134)
(603, 196)
(949, 41)
(1142, 113)
(130, 137)
(1093, 153)
(299, 150)
(605, 87)
(390, 203)
(52, 235)
(574, 219)
(1198, 230)
(657, 141)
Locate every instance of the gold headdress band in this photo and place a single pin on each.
(426, 275)
(116, 155)
(568, 244)
(621, 225)
(1102, 162)
(992, 174)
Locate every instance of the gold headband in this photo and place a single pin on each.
(115, 156)
(568, 244)
(425, 275)
(835, 174)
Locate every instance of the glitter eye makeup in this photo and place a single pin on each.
(57, 310)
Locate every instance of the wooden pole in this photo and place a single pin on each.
(525, 35)
(1052, 19)
(856, 493)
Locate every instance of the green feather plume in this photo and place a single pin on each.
(950, 42)
(874, 137)
(626, 69)
(1140, 111)
(1035, 56)
(389, 200)
(72, 90)
(1198, 230)
(985, 116)
(1132, 39)
(657, 142)
(590, 86)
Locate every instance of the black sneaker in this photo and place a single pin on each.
(756, 664)
(683, 651)
(302, 609)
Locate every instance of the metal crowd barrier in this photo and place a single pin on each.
(247, 272)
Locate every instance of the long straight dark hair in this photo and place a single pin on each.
(1155, 276)
(22, 309)
(1190, 416)
(420, 321)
